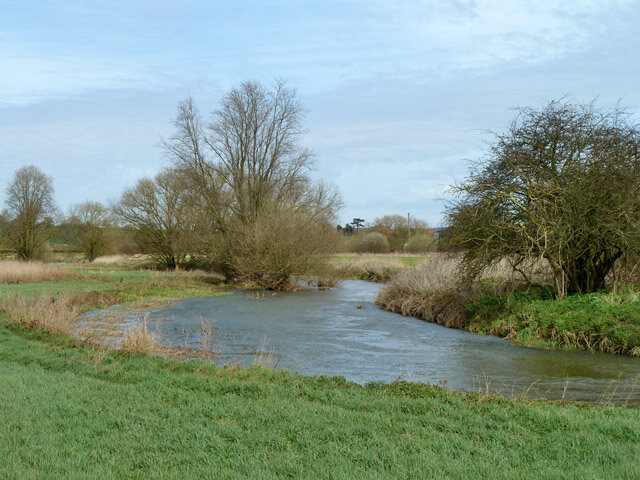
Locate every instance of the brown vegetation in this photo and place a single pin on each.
(142, 340)
(372, 242)
(50, 314)
(53, 314)
(14, 271)
(432, 290)
(378, 268)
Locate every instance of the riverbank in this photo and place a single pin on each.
(75, 409)
(499, 305)
(72, 409)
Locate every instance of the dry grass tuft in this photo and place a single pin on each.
(143, 340)
(50, 314)
(14, 271)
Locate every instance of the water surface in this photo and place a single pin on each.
(327, 333)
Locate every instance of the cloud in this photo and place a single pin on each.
(57, 49)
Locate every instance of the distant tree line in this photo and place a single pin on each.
(389, 233)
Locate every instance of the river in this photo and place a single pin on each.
(341, 332)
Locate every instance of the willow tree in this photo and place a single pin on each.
(561, 184)
(251, 171)
(30, 205)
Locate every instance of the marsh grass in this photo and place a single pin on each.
(373, 268)
(141, 339)
(14, 271)
(44, 313)
(55, 313)
(429, 291)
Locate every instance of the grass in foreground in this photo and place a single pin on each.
(73, 411)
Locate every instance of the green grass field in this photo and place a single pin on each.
(73, 411)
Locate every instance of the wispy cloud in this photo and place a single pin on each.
(65, 48)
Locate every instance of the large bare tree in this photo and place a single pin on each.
(30, 205)
(561, 184)
(247, 164)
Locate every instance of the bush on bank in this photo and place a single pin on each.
(501, 305)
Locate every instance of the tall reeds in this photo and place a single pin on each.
(53, 314)
(432, 289)
(14, 271)
(42, 313)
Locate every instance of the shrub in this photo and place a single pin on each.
(373, 242)
(420, 243)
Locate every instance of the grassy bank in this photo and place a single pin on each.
(603, 322)
(75, 411)
(498, 305)
(52, 298)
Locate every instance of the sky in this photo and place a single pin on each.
(399, 95)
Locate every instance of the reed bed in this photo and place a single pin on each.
(432, 291)
(53, 314)
(50, 314)
(378, 268)
(14, 271)
(428, 291)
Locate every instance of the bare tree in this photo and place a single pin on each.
(160, 212)
(31, 206)
(94, 221)
(562, 184)
(246, 165)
